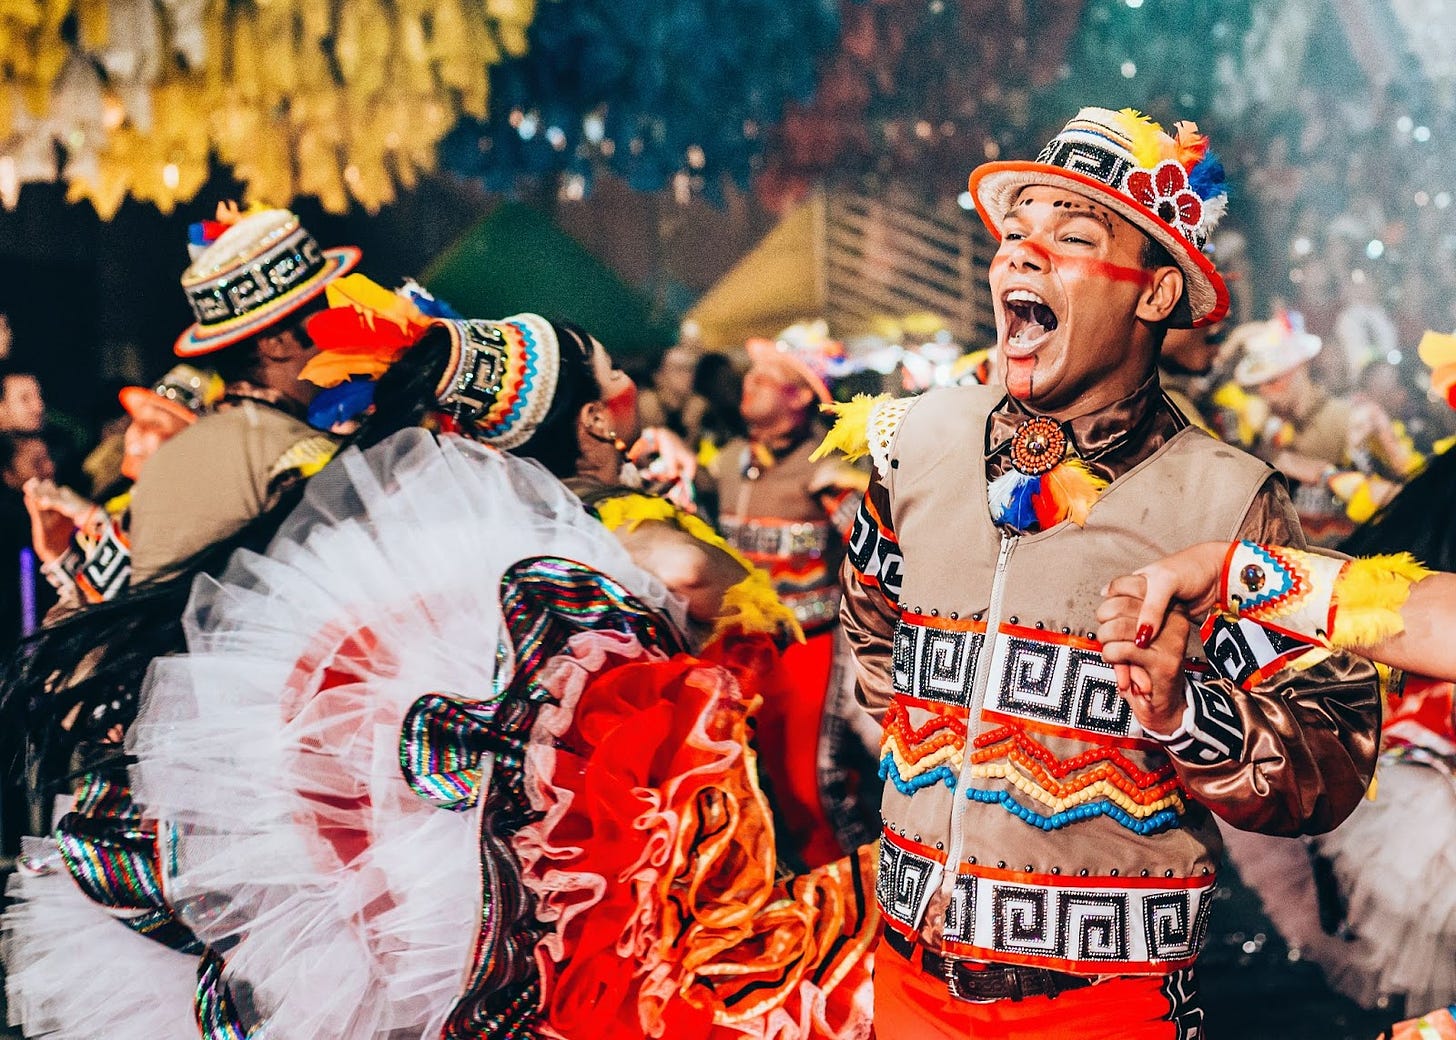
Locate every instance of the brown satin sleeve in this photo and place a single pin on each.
(869, 620)
(1310, 737)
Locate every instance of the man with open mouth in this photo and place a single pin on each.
(1047, 863)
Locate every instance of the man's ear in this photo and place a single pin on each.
(1161, 295)
(802, 397)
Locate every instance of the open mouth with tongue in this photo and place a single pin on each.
(1029, 320)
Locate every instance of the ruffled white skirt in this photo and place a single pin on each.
(1393, 866)
(74, 972)
(346, 907)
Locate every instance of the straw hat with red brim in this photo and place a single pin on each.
(805, 349)
(257, 272)
(1169, 187)
(184, 391)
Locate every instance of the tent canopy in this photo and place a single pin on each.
(516, 260)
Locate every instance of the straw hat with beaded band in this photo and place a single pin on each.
(184, 391)
(261, 269)
(1170, 188)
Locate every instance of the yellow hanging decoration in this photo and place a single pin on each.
(344, 101)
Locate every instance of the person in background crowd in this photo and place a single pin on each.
(84, 548)
(23, 410)
(22, 405)
(1047, 862)
(791, 515)
(1342, 453)
(673, 401)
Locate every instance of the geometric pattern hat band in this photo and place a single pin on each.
(1169, 186)
(501, 377)
(259, 270)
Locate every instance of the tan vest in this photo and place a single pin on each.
(207, 483)
(774, 517)
(1074, 846)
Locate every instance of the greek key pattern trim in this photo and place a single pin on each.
(1035, 677)
(1212, 730)
(874, 553)
(1066, 923)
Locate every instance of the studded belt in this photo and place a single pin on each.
(972, 981)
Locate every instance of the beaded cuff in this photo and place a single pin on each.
(1329, 601)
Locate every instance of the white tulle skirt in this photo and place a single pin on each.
(346, 906)
(1393, 866)
(75, 972)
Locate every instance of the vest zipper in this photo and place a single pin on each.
(973, 708)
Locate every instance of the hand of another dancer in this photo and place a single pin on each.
(1149, 671)
(669, 462)
(1187, 579)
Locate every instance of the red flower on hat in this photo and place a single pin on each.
(1165, 192)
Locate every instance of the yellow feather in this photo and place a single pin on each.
(851, 432)
(1149, 142)
(752, 608)
(1368, 596)
(369, 296)
(749, 607)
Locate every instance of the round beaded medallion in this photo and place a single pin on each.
(1037, 446)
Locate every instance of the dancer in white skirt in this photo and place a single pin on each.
(436, 765)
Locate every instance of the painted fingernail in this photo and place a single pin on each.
(1144, 637)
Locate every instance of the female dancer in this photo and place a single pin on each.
(440, 762)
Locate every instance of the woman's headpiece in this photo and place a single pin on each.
(501, 378)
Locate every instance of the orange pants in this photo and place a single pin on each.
(910, 1005)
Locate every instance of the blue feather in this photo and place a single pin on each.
(429, 304)
(1207, 178)
(338, 404)
(1010, 498)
